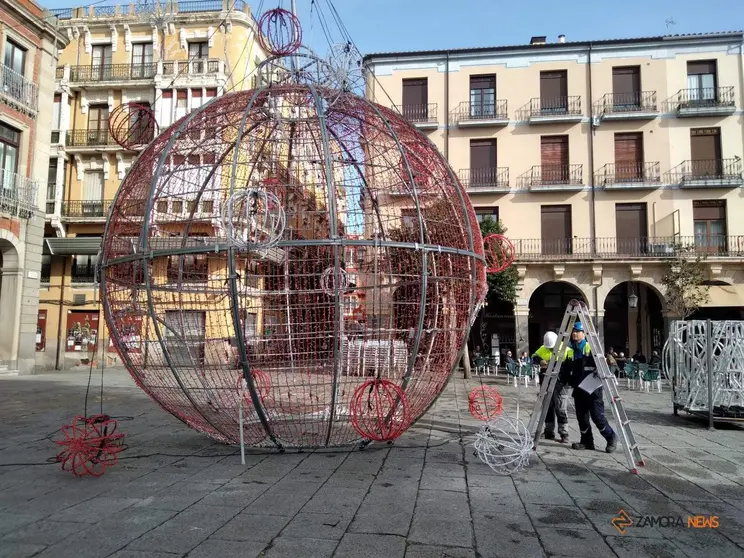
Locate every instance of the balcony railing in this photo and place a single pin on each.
(627, 248)
(83, 274)
(704, 98)
(710, 170)
(110, 72)
(85, 209)
(481, 111)
(627, 103)
(89, 138)
(553, 175)
(146, 8)
(17, 194)
(18, 91)
(628, 173)
(555, 106)
(49, 207)
(198, 67)
(419, 113)
(484, 179)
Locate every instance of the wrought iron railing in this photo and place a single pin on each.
(82, 209)
(196, 67)
(62, 13)
(609, 248)
(17, 194)
(709, 169)
(552, 175)
(49, 207)
(623, 103)
(704, 97)
(112, 72)
(145, 8)
(83, 274)
(418, 113)
(88, 138)
(17, 90)
(628, 173)
(556, 106)
(475, 179)
(200, 6)
(481, 111)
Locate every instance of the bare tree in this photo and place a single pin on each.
(684, 288)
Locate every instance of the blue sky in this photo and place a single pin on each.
(394, 25)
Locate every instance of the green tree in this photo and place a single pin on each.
(503, 285)
(684, 288)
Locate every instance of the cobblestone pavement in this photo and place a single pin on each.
(176, 493)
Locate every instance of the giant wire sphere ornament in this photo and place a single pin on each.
(379, 410)
(499, 252)
(281, 32)
(90, 444)
(485, 403)
(262, 382)
(504, 444)
(132, 126)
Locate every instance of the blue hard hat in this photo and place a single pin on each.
(578, 326)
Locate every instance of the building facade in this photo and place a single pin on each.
(170, 58)
(602, 159)
(29, 43)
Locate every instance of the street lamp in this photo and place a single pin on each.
(632, 298)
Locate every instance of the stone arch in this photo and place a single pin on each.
(536, 286)
(626, 328)
(547, 305)
(11, 279)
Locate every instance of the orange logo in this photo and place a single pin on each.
(622, 521)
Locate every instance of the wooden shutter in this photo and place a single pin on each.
(554, 150)
(553, 88)
(708, 210)
(626, 82)
(701, 67)
(631, 227)
(415, 92)
(555, 222)
(705, 151)
(483, 82)
(483, 154)
(629, 155)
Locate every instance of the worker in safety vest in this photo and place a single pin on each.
(576, 368)
(559, 401)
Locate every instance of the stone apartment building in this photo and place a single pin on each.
(29, 48)
(600, 158)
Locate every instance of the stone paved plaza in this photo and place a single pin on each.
(176, 493)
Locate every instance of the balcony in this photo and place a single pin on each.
(17, 195)
(485, 181)
(641, 248)
(628, 175)
(640, 105)
(108, 74)
(713, 173)
(550, 178)
(472, 115)
(198, 67)
(705, 101)
(85, 210)
(95, 139)
(83, 274)
(18, 92)
(144, 10)
(555, 110)
(423, 117)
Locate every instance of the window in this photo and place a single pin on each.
(483, 213)
(554, 92)
(82, 331)
(181, 102)
(629, 157)
(46, 268)
(705, 152)
(416, 99)
(84, 268)
(41, 321)
(51, 193)
(185, 332)
(196, 98)
(166, 109)
(98, 124)
(56, 111)
(482, 96)
(15, 57)
(92, 202)
(626, 87)
(631, 226)
(141, 124)
(101, 62)
(142, 66)
(483, 162)
(193, 268)
(554, 159)
(198, 53)
(701, 81)
(9, 144)
(555, 222)
(709, 218)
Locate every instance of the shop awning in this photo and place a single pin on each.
(72, 246)
(724, 295)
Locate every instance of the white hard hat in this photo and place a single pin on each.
(550, 339)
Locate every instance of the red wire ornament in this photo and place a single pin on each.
(262, 382)
(499, 252)
(485, 403)
(132, 126)
(281, 32)
(379, 410)
(89, 445)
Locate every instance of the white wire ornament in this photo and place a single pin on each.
(332, 283)
(345, 71)
(504, 444)
(253, 219)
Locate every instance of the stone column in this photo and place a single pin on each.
(521, 329)
(599, 326)
(10, 298)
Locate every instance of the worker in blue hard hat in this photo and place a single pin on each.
(558, 407)
(578, 365)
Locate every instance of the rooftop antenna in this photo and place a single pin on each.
(670, 22)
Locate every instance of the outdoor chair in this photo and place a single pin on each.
(512, 369)
(527, 371)
(481, 365)
(650, 375)
(631, 374)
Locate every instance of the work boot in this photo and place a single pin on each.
(580, 446)
(564, 438)
(549, 435)
(612, 444)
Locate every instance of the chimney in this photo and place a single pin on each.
(538, 40)
(561, 38)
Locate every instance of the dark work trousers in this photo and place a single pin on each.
(591, 405)
(557, 410)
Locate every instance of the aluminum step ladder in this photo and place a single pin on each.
(578, 311)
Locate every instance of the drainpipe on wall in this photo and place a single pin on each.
(60, 341)
(446, 107)
(741, 83)
(592, 209)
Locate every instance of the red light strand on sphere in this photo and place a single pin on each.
(90, 445)
(485, 403)
(499, 252)
(281, 33)
(379, 410)
(262, 382)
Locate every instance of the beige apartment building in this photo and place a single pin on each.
(600, 158)
(29, 43)
(171, 57)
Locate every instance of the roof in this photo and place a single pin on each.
(568, 44)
